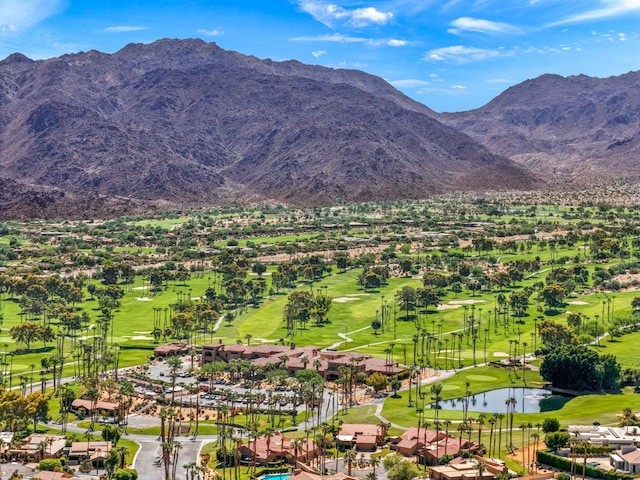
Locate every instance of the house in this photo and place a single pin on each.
(327, 363)
(171, 349)
(448, 446)
(362, 436)
(627, 459)
(304, 475)
(95, 451)
(278, 448)
(461, 469)
(86, 407)
(614, 437)
(39, 446)
(6, 439)
(408, 444)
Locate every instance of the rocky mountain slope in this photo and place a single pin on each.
(583, 127)
(184, 122)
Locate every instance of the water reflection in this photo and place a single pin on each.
(528, 400)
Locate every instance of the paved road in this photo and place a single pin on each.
(147, 461)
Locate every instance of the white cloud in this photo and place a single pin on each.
(124, 28)
(609, 8)
(17, 15)
(345, 64)
(394, 42)
(331, 14)
(410, 83)
(458, 87)
(334, 37)
(468, 24)
(462, 54)
(210, 33)
(318, 53)
(340, 38)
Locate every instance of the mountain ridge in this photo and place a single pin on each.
(186, 123)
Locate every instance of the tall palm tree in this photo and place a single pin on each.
(492, 422)
(375, 462)
(350, 456)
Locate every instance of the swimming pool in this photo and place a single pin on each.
(276, 476)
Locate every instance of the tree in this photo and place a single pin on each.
(259, 268)
(406, 299)
(556, 440)
(399, 468)
(38, 408)
(28, 332)
(579, 368)
(376, 324)
(429, 297)
(378, 381)
(519, 302)
(550, 425)
(553, 295)
(553, 333)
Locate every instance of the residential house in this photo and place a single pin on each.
(627, 459)
(171, 349)
(39, 446)
(87, 407)
(95, 451)
(362, 436)
(446, 447)
(467, 469)
(414, 439)
(306, 475)
(278, 448)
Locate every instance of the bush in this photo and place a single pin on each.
(126, 474)
(50, 465)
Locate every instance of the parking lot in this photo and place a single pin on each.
(241, 393)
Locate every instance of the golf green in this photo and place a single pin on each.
(481, 378)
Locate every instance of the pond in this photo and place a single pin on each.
(528, 400)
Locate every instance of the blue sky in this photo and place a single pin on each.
(448, 54)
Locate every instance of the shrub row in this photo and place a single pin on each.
(565, 464)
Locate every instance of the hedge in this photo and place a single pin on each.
(563, 463)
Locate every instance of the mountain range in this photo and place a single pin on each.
(580, 128)
(185, 123)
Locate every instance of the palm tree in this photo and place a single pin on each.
(511, 408)
(481, 467)
(350, 456)
(375, 462)
(500, 418)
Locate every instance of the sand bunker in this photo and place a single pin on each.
(447, 307)
(345, 299)
(143, 299)
(578, 302)
(465, 302)
(500, 354)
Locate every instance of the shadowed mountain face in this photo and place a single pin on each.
(583, 127)
(183, 122)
